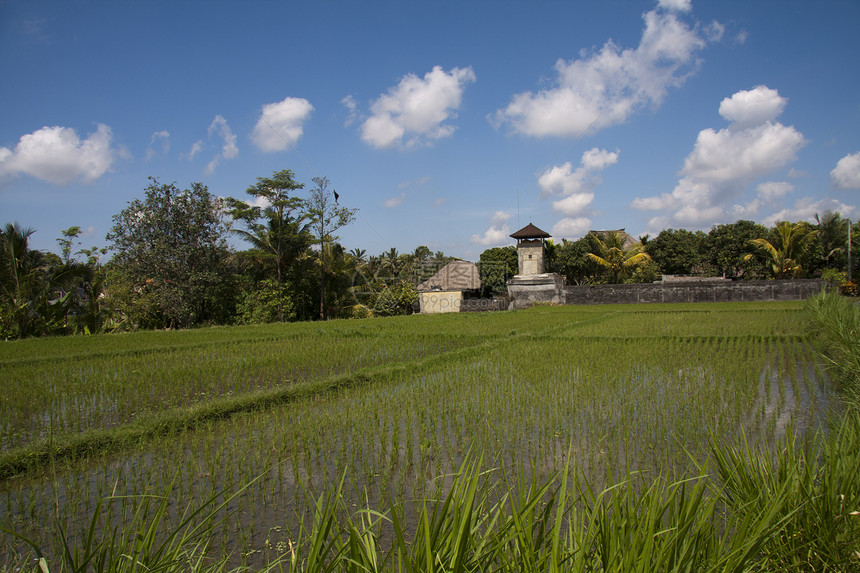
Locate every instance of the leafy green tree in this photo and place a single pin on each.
(676, 251)
(172, 245)
(495, 267)
(785, 249)
(276, 227)
(326, 217)
(610, 254)
(266, 301)
(396, 298)
(726, 247)
(67, 242)
(570, 261)
(35, 287)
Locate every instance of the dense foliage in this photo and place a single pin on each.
(172, 265)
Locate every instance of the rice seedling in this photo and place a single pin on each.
(605, 396)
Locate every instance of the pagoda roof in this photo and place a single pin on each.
(530, 232)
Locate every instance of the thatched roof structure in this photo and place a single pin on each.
(628, 241)
(456, 275)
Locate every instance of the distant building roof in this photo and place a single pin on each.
(456, 275)
(530, 232)
(628, 241)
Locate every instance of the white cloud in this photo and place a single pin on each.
(280, 124)
(774, 189)
(57, 155)
(677, 5)
(395, 201)
(606, 87)
(723, 163)
(414, 112)
(575, 186)
(806, 208)
(571, 228)
(196, 148)
(417, 182)
(498, 231)
(846, 174)
(164, 137)
(229, 150)
(741, 155)
(752, 107)
(351, 108)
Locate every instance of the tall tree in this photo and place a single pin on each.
(676, 251)
(495, 266)
(833, 234)
(276, 226)
(35, 287)
(172, 244)
(726, 247)
(571, 262)
(618, 261)
(784, 250)
(326, 217)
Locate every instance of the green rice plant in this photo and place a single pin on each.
(141, 542)
(813, 488)
(834, 330)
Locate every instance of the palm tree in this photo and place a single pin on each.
(833, 232)
(34, 291)
(791, 240)
(610, 254)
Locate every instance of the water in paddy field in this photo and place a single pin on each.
(401, 442)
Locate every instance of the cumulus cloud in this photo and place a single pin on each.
(281, 124)
(846, 174)
(159, 139)
(498, 231)
(752, 107)
(723, 163)
(806, 208)
(606, 87)
(415, 111)
(571, 228)
(678, 5)
(229, 149)
(57, 155)
(575, 187)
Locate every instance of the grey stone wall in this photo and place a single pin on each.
(484, 304)
(526, 290)
(717, 291)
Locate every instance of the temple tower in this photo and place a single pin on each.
(530, 250)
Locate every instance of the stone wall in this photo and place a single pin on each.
(717, 291)
(526, 290)
(484, 304)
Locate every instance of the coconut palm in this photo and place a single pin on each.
(610, 254)
(783, 254)
(34, 290)
(833, 232)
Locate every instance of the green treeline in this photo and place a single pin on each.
(168, 262)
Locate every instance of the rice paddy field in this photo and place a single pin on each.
(95, 430)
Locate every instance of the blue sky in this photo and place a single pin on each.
(447, 124)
